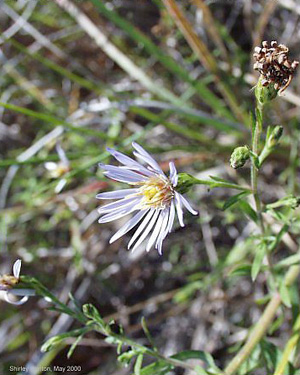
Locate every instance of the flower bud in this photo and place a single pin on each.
(295, 202)
(272, 139)
(288, 201)
(263, 93)
(275, 136)
(184, 183)
(239, 157)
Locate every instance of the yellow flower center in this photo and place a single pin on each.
(157, 192)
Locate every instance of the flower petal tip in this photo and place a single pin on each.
(112, 240)
(111, 150)
(17, 268)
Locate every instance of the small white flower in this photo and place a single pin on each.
(152, 194)
(7, 283)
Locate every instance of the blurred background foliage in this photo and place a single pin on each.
(79, 76)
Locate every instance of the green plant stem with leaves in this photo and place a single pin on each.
(92, 320)
(263, 96)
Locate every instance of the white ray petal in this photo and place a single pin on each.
(187, 205)
(171, 217)
(154, 167)
(122, 178)
(147, 230)
(141, 227)
(144, 155)
(118, 205)
(179, 209)
(164, 230)
(173, 174)
(116, 194)
(123, 172)
(156, 231)
(128, 226)
(18, 303)
(118, 213)
(22, 292)
(127, 161)
(120, 169)
(17, 268)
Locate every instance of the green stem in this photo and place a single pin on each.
(150, 352)
(262, 325)
(44, 292)
(214, 184)
(254, 170)
(186, 181)
(254, 180)
(264, 154)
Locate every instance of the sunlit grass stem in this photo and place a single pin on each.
(262, 325)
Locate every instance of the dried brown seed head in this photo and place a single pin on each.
(273, 64)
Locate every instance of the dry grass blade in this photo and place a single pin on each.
(32, 31)
(263, 20)
(205, 57)
(114, 53)
(211, 28)
(194, 41)
(18, 24)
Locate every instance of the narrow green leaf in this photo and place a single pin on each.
(73, 346)
(278, 237)
(92, 313)
(248, 210)
(200, 371)
(218, 179)
(289, 261)
(234, 199)
(157, 368)
(138, 364)
(148, 334)
(241, 270)
(199, 354)
(58, 339)
(126, 357)
(284, 294)
(257, 263)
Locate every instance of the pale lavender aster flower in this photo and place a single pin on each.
(153, 196)
(7, 283)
